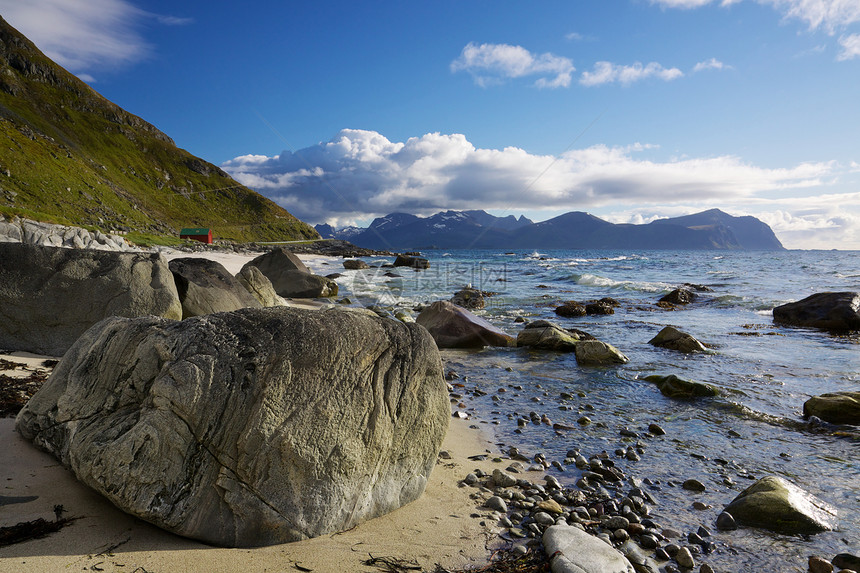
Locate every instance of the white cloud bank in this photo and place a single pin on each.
(608, 73)
(360, 174)
(491, 64)
(84, 35)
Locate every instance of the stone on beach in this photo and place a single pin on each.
(572, 550)
(205, 286)
(544, 335)
(834, 407)
(455, 327)
(673, 387)
(836, 311)
(290, 277)
(673, 339)
(260, 287)
(247, 428)
(50, 296)
(776, 504)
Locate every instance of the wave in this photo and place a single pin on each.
(588, 279)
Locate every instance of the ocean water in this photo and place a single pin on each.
(764, 374)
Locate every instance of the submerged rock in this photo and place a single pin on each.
(673, 339)
(674, 387)
(679, 296)
(836, 311)
(544, 335)
(571, 309)
(470, 298)
(834, 407)
(247, 428)
(452, 326)
(778, 505)
(597, 353)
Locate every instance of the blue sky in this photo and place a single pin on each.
(630, 110)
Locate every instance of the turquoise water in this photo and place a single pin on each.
(764, 373)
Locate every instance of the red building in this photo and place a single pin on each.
(198, 234)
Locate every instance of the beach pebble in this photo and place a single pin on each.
(670, 533)
(693, 485)
(705, 568)
(543, 518)
(661, 554)
(502, 479)
(656, 430)
(819, 565)
(685, 558)
(470, 479)
(725, 522)
(648, 541)
(519, 550)
(703, 532)
(496, 503)
(847, 561)
(616, 522)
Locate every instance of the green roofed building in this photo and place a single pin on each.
(197, 234)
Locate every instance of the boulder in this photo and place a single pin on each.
(834, 407)
(290, 277)
(544, 335)
(470, 298)
(256, 283)
(679, 296)
(355, 265)
(571, 309)
(411, 261)
(572, 550)
(599, 307)
(674, 387)
(50, 296)
(247, 428)
(835, 311)
(205, 286)
(597, 353)
(673, 339)
(455, 327)
(778, 505)
(277, 261)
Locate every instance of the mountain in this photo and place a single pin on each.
(575, 230)
(71, 156)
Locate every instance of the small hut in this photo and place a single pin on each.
(197, 234)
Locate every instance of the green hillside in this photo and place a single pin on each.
(68, 155)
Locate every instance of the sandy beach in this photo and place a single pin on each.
(443, 526)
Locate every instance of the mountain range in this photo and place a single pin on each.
(712, 229)
(71, 156)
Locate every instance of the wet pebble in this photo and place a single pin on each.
(496, 503)
(656, 430)
(685, 558)
(819, 565)
(725, 522)
(693, 485)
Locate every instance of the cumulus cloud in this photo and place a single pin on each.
(361, 174)
(607, 73)
(491, 64)
(82, 35)
(850, 47)
(712, 64)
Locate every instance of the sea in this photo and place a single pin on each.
(764, 373)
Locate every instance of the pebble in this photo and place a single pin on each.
(616, 522)
(520, 550)
(703, 532)
(725, 522)
(693, 485)
(705, 568)
(701, 506)
(543, 518)
(648, 541)
(470, 479)
(496, 503)
(669, 533)
(656, 430)
(685, 558)
(661, 554)
(847, 561)
(503, 479)
(819, 565)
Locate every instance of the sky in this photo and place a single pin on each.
(630, 110)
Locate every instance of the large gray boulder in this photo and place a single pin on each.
(290, 277)
(248, 428)
(834, 407)
(673, 339)
(572, 550)
(205, 286)
(50, 296)
(778, 505)
(837, 311)
(256, 283)
(454, 327)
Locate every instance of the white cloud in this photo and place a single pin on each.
(361, 174)
(850, 47)
(712, 64)
(494, 63)
(607, 72)
(84, 35)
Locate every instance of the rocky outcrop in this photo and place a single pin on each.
(544, 335)
(679, 296)
(573, 550)
(778, 505)
(50, 296)
(259, 286)
(674, 387)
(597, 353)
(673, 339)
(455, 327)
(836, 311)
(571, 309)
(247, 428)
(355, 265)
(834, 407)
(469, 298)
(47, 235)
(205, 286)
(290, 277)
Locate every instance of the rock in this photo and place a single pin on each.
(693, 485)
(776, 504)
(290, 277)
(836, 311)
(685, 558)
(469, 298)
(597, 353)
(819, 565)
(641, 562)
(355, 265)
(544, 335)
(656, 429)
(616, 522)
(679, 296)
(725, 522)
(256, 283)
(204, 286)
(599, 307)
(846, 561)
(571, 309)
(674, 339)
(411, 261)
(247, 428)
(572, 550)
(496, 504)
(50, 296)
(49, 235)
(502, 479)
(551, 506)
(834, 407)
(675, 387)
(543, 518)
(454, 327)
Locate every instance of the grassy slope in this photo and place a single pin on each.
(68, 155)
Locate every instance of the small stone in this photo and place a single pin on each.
(847, 561)
(694, 538)
(703, 532)
(672, 549)
(669, 533)
(819, 565)
(701, 506)
(661, 554)
(519, 550)
(685, 558)
(496, 504)
(445, 455)
(543, 518)
(705, 568)
(470, 479)
(616, 522)
(693, 485)
(551, 506)
(648, 541)
(725, 522)
(503, 479)
(656, 430)
(620, 535)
